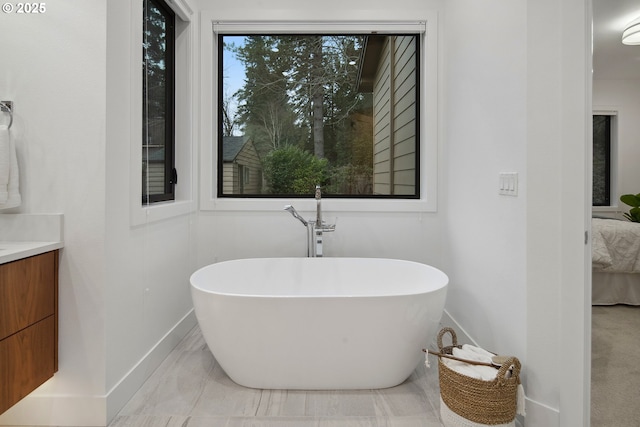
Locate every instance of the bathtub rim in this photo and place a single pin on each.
(442, 282)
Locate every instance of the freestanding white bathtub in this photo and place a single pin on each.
(318, 323)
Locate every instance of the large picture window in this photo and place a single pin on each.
(158, 102)
(297, 110)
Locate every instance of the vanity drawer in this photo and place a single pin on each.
(28, 360)
(27, 292)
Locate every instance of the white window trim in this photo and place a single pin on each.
(614, 207)
(185, 161)
(210, 25)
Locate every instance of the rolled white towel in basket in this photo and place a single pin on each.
(480, 354)
(485, 373)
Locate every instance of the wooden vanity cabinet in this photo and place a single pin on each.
(28, 325)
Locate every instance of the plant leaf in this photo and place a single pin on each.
(631, 200)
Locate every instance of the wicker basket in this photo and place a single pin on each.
(484, 402)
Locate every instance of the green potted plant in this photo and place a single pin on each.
(632, 200)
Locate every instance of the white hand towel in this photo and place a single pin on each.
(482, 354)
(485, 373)
(13, 187)
(5, 162)
(474, 353)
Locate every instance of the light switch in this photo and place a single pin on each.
(508, 183)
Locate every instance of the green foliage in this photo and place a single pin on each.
(290, 170)
(285, 75)
(350, 179)
(632, 200)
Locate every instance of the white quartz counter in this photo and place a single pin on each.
(13, 251)
(25, 235)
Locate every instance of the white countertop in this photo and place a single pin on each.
(13, 251)
(25, 235)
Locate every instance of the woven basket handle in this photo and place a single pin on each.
(502, 372)
(454, 338)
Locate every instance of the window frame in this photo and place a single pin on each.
(612, 160)
(185, 153)
(169, 169)
(417, 135)
(212, 24)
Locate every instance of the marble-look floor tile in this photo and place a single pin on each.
(190, 389)
(279, 403)
(344, 403)
(175, 387)
(149, 421)
(314, 422)
(221, 396)
(253, 422)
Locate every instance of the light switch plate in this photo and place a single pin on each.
(508, 183)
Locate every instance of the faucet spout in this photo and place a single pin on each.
(315, 229)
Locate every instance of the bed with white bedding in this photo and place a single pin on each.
(615, 261)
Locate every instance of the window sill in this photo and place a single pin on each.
(303, 204)
(614, 208)
(160, 211)
(212, 22)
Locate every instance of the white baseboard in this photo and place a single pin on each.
(122, 392)
(98, 410)
(538, 414)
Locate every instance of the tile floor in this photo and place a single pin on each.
(189, 389)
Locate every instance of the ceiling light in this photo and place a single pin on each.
(631, 33)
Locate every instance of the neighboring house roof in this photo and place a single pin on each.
(369, 58)
(153, 154)
(231, 147)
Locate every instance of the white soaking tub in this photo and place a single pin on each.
(318, 323)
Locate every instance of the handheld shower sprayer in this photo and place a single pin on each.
(295, 214)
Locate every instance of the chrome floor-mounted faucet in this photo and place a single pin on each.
(315, 229)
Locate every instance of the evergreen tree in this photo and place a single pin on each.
(301, 91)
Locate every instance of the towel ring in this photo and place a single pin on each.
(7, 107)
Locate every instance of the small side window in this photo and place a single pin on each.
(158, 103)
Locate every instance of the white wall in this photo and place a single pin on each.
(516, 90)
(124, 295)
(622, 96)
(485, 134)
(270, 231)
(149, 260)
(54, 68)
(558, 211)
